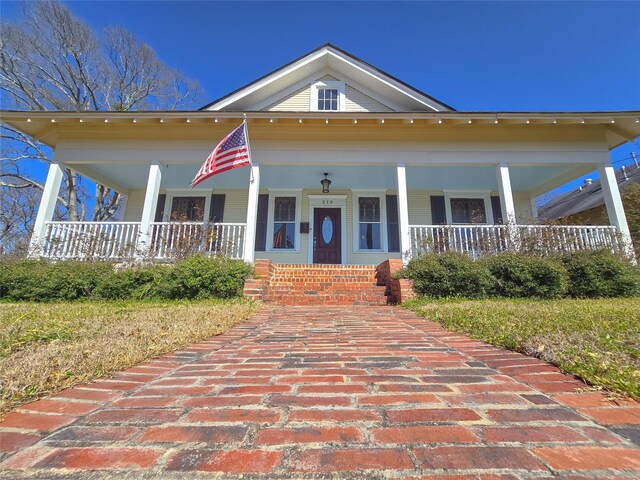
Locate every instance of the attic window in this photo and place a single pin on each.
(327, 96)
(328, 99)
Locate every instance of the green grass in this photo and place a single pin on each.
(47, 347)
(597, 340)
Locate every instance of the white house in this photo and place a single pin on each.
(401, 165)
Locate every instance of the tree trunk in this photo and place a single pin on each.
(72, 208)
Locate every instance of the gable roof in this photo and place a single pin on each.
(351, 65)
(588, 196)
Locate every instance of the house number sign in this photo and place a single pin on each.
(327, 201)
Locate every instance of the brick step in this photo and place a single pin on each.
(324, 300)
(287, 284)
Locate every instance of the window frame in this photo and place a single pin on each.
(173, 193)
(484, 195)
(331, 84)
(384, 243)
(273, 194)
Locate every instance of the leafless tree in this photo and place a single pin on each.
(52, 60)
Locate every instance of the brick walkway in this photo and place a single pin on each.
(348, 392)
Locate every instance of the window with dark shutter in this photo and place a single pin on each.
(261, 222)
(162, 199)
(393, 229)
(496, 208)
(216, 211)
(438, 213)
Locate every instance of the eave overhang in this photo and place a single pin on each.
(620, 126)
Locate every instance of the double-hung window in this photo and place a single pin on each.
(468, 210)
(369, 223)
(284, 223)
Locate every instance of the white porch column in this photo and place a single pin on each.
(150, 204)
(252, 214)
(506, 195)
(47, 207)
(403, 211)
(613, 202)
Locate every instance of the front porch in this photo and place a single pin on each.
(399, 187)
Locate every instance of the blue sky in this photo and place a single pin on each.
(506, 56)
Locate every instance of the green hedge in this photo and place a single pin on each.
(195, 277)
(449, 275)
(521, 276)
(581, 274)
(600, 274)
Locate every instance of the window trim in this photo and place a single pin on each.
(292, 192)
(381, 195)
(338, 85)
(171, 193)
(485, 195)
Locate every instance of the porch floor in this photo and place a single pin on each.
(313, 392)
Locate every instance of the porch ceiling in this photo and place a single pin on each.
(524, 178)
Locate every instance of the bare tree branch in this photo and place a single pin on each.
(52, 60)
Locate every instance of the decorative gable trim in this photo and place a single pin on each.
(326, 56)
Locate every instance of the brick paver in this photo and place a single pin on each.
(328, 392)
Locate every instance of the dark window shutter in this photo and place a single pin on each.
(261, 222)
(393, 229)
(162, 199)
(438, 212)
(496, 208)
(216, 210)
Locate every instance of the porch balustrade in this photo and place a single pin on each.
(478, 240)
(174, 240)
(179, 239)
(120, 240)
(90, 240)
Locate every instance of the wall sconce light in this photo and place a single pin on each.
(325, 183)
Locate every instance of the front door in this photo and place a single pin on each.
(327, 236)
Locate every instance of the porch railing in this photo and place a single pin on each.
(90, 240)
(478, 240)
(120, 240)
(180, 239)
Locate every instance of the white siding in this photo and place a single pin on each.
(356, 101)
(235, 205)
(135, 203)
(297, 101)
(524, 214)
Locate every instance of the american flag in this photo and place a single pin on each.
(231, 152)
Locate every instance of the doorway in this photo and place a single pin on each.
(327, 236)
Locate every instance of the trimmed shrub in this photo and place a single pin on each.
(195, 277)
(448, 275)
(132, 283)
(599, 273)
(41, 281)
(203, 277)
(522, 276)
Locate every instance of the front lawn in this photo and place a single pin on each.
(47, 347)
(597, 340)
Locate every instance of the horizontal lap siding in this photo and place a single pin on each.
(135, 204)
(235, 205)
(356, 101)
(297, 101)
(522, 204)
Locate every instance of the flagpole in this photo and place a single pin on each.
(252, 203)
(246, 137)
